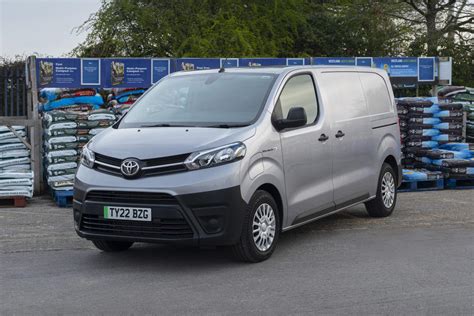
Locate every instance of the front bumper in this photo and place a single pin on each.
(205, 219)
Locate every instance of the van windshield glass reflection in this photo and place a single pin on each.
(220, 100)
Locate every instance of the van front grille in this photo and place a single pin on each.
(163, 228)
(128, 197)
(159, 166)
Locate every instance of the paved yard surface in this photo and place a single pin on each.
(418, 261)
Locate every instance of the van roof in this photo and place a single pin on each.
(279, 69)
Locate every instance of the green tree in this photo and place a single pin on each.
(193, 28)
(284, 28)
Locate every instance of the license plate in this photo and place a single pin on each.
(127, 213)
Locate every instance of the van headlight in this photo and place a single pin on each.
(216, 156)
(87, 157)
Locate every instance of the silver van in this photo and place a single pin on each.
(235, 157)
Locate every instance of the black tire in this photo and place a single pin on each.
(246, 249)
(112, 246)
(376, 207)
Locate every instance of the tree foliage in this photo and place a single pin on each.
(284, 28)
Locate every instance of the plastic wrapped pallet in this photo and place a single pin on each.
(71, 118)
(65, 133)
(16, 177)
(429, 125)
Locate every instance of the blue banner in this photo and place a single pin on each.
(334, 61)
(261, 62)
(160, 68)
(143, 72)
(364, 61)
(398, 67)
(197, 63)
(295, 61)
(426, 69)
(90, 71)
(126, 72)
(229, 62)
(58, 72)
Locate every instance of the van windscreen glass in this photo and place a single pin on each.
(203, 100)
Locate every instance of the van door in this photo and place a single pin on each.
(306, 152)
(351, 136)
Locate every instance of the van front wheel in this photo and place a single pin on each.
(260, 230)
(384, 202)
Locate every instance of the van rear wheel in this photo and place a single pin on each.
(260, 229)
(112, 246)
(384, 202)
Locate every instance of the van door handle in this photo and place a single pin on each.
(323, 138)
(340, 134)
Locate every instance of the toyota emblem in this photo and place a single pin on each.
(130, 167)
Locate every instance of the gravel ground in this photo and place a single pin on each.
(418, 261)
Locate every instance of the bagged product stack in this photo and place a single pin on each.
(457, 94)
(120, 100)
(421, 175)
(84, 99)
(16, 177)
(465, 96)
(428, 124)
(416, 129)
(469, 108)
(65, 133)
(459, 165)
(427, 129)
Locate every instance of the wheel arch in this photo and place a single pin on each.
(273, 191)
(390, 159)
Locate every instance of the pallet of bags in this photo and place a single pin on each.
(16, 177)
(416, 127)
(70, 99)
(65, 133)
(119, 100)
(421, 180)
(430, 124)
(458, 167)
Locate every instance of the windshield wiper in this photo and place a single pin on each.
(165, 125)
(226, 125)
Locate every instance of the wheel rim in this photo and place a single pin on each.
(388, 190)
(263, 227)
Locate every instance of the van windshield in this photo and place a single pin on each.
(203, 100)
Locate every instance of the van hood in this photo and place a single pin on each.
(155, 142)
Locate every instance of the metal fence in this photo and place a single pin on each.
(13, 91)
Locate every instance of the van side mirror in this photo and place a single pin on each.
(296, 118)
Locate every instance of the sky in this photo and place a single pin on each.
(44, 27)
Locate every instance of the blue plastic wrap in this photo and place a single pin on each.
(96, 101)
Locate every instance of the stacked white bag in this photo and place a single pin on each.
(16, 177)
(65, 133)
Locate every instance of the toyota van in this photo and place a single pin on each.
(235, 157)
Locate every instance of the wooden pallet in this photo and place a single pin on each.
(458, 184)
(425, 185)
(62, 198)
(12, 201)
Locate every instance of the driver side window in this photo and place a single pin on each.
(298, 92)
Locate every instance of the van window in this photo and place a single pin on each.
(298, 92)
(343, 92)
(203, 100)
(376, 93)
